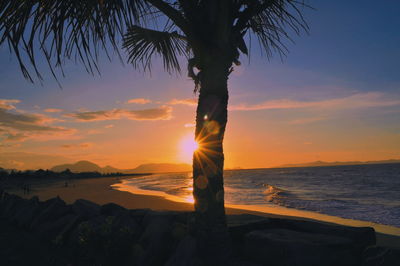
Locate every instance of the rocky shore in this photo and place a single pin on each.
(85, 233)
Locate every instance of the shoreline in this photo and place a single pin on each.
(270, 209)
(101, 191)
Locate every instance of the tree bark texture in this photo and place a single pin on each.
(208, 160)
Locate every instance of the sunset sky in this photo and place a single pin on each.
(335, 97)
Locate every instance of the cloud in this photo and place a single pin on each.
(190, 101)
(25, 160)
(6, 104)
(94, 132)
(307, 120)
(96, 115)
(17, 125)
(359, 100)
(27, 122)
(84, 145)
(160, 113)
(109, 126)
(15, 137)
(139, 101)
(52, 110)
(10, 145)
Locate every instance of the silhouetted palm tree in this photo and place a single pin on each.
(211, 34)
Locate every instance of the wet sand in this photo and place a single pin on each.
(99, 190)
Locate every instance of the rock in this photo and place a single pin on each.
(91, 225)
(111, 209)
(381, 256)
(185, 253)
(241, 262)
(238, 232)
(125, 220)
(360, 236)
(138, 214)
(103, 241)
(243, 219)
(86, 209)
(157, 241)
(21, 247)
(11, 204)
(25, 215)
(287, 247)
(51, 210)
(152, 215)
(56, 230)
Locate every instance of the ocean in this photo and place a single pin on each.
(361, 192)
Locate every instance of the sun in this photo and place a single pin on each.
(187, 146)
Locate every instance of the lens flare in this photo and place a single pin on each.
(187, 147)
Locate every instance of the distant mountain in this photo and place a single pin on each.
(81, 166)
(321, 163)
(86, 166)
(110, 169)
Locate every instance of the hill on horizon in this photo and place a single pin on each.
(87, 166)
(322, 163)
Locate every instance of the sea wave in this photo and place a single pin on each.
(274, 194)
(369, 193)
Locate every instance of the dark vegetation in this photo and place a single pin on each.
(25, 179)
(38, 174)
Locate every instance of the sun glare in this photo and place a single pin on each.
(187, 147)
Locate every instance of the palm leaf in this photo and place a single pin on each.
(61, 29)
(143, 44)
(270, 22)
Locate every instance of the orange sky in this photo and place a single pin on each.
(265, 134)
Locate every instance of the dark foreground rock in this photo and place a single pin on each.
(288, 247)
(84, 233)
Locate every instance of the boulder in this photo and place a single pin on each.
(56, 230)
(283, 247)
(138, 214)
(86, 209)
(26, 213)
(152, 215)
(125, 221)
(157, 240)
(381, 256)
(51, 210)
(239, 231)
(361, 237)
(242, 219)
(185, 253)
(10, 205)
(111, 209)
(83, 227)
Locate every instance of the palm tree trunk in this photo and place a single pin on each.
(208, 161)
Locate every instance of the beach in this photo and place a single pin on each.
(100, 191)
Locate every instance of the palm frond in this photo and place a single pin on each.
(270, 21)
(61, 29)
(143, 44)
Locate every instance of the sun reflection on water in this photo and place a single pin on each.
(189, 190)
